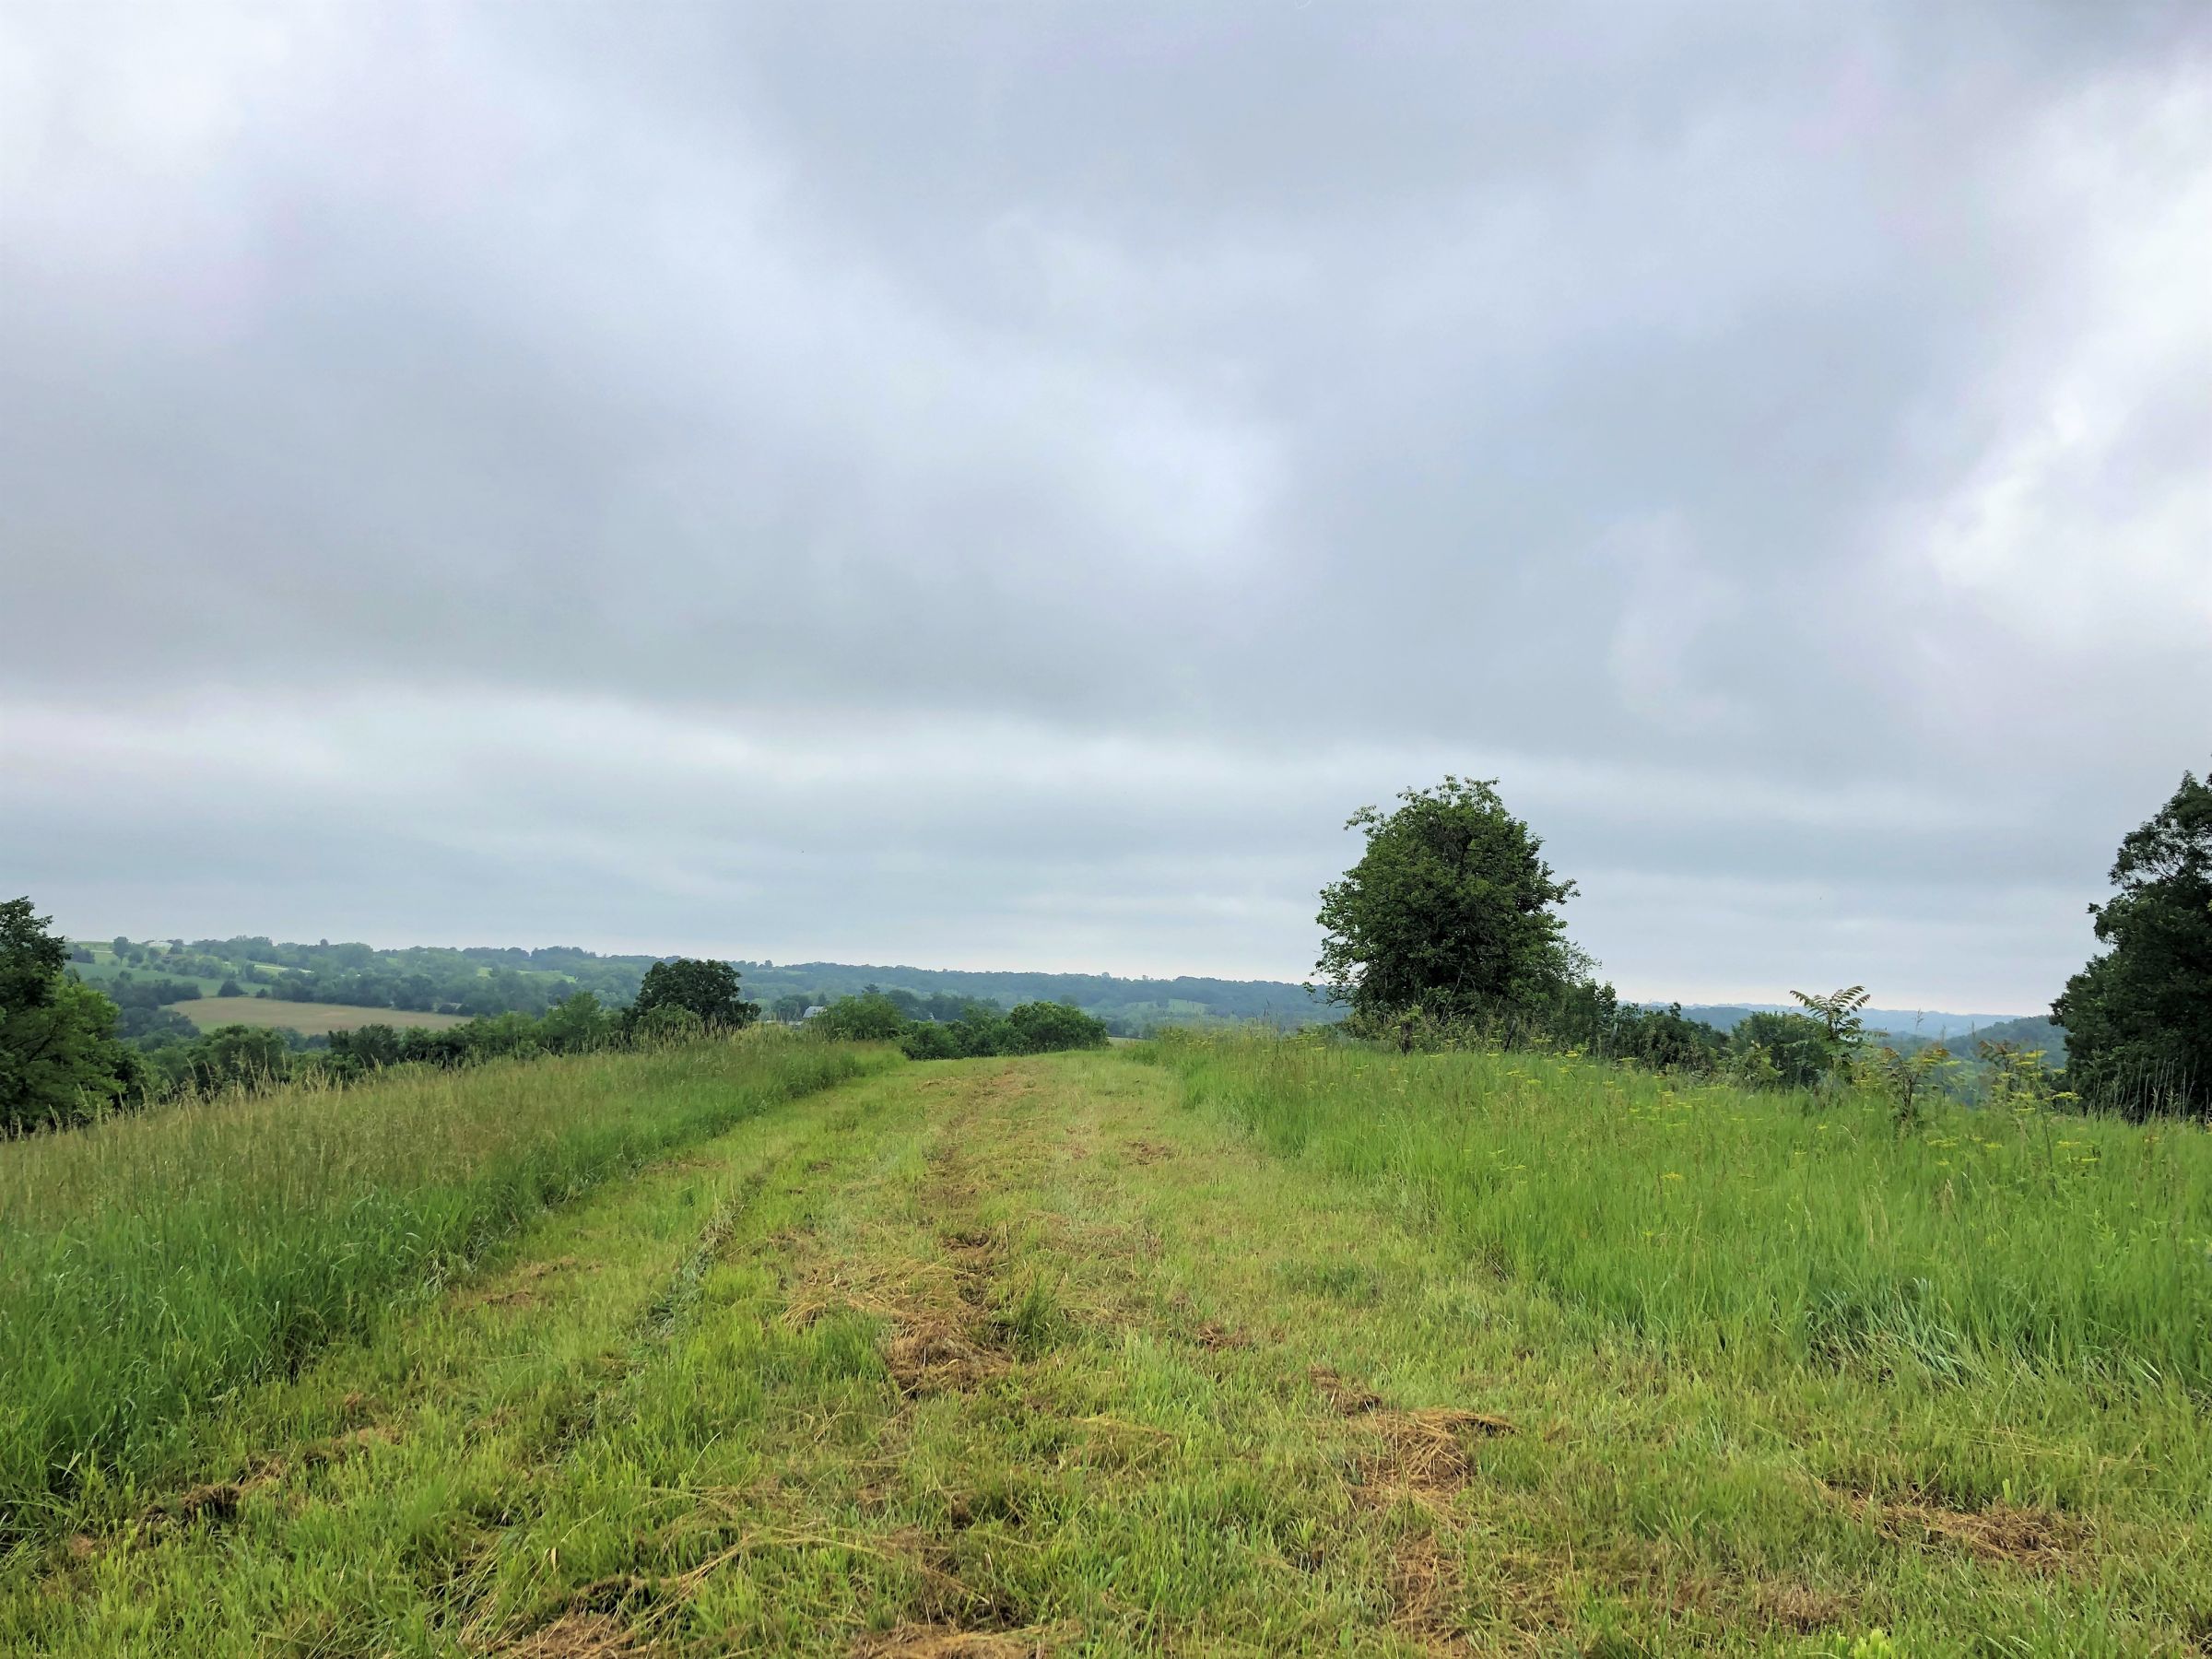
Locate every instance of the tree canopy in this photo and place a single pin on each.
(2138, 1017)
(59, 1060)
(1450, 910)
(707, 989)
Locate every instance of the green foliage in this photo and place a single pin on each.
(2046, 1037)
(1785, 1051)
(32, 957)
(1909, 1080)
(980, 1029)
(577, 1026)
(873, 1017)
(2138, 1018)
(1041, 1028)
(707, 989)
(59, 1061)
(250, 1058)
(1449, 910)
(2016, 1080)
(1843, 1024)
(670, 1022)
(482, 981)
(1664, 1040)
(1031, 1029)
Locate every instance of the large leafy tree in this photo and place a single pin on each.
(707, 989)
(59, 1061)
(2138, 1017)
(1449, 910)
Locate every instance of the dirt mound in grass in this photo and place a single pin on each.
(1349, 1398)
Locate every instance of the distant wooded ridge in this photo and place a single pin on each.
(145, 975)
(484, 980)
(1923, 1025)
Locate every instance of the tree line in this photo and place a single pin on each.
(63, 1060)
(975, 1029)
(1449, 929)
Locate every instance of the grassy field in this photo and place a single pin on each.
(150, 1265)
(1211, 1348)
(309, 1019)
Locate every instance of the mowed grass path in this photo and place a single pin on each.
(1013, 1357)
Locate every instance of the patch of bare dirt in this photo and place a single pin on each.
(2011, 1533)
(1346, 1397)
(351, 1444)
(942, 1337)
(1424, 1583)
(950, 1642)
(217, 1502)
(1799, 1607)
(575, 1635)
(514, 1289)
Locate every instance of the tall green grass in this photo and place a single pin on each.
(1720, 1223)
(149, 1265)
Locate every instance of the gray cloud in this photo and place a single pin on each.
(998, 485)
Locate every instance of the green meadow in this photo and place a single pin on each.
(1219, 1345)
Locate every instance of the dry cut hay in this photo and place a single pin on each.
(941, 1341)
(932, 1355)
(950, 1642)
(2005, 1531)
(1425, 1453)
(575, 1635)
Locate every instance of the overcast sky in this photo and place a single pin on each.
(997, 485)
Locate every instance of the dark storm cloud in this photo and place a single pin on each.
(1002, 482)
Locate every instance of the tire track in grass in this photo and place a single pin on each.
(1053, 1467)
(362, 1490)
(1017, 1358)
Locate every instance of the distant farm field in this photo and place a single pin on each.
(309, 1019)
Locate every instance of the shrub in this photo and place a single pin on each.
(1043, 1027)
(873, 1017)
